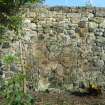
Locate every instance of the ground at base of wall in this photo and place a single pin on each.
(68, 99)
(62, 98)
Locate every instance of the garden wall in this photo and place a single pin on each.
(67, 44)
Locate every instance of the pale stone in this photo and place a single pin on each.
(43, 84)
(60, 70)
(68, 87)
(101, 39)
(84, 19)
(92, 36)
(27, 21)
(93, 25)
(103, 56)
(75, 20)
(102, 25)
(90, 15)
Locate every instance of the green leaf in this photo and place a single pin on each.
(8, 59)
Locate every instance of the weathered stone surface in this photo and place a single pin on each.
(100, 13)
(103, 56)
(102, 25)
(98, 33)
(82, 24)
(97, 20)
(85, 19)
(93, 25)
(90, 15)
(31, 26)
(82, 32)
(101, 39)
(74, 20)
(68, 40)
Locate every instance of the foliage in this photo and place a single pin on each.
(14, 94)
(15, 23)
(2, 31)
(8, 59)
(10, 18)
(10, 4)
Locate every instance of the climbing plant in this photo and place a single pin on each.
(13, 92)
(11, 16)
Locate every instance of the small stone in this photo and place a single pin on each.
(103, 56)
(82, 24)
(77, 29)
(83, 31)
(93, 25)
(98, 33)
(96, 49)
(100, 63)
(100, 39)
(69, 87)
(14, 68)
(101, 29)
(27, 21)
(75, 20)
(60, 70)
(72, 33)
(90, 15)
(85, 19)
(43, 84)
(92, 36)
(102, 25)
(31, 26)
(97, 20)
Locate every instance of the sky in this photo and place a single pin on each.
(97, 3)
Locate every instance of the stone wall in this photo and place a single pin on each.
(69, 42)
